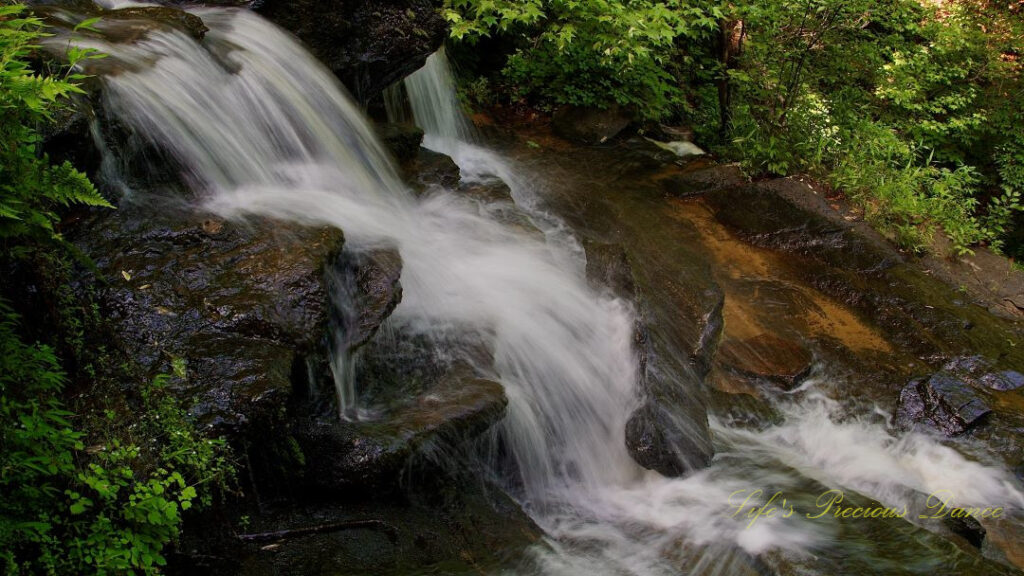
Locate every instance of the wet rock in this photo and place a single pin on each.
(768, 358)
(365, 289)
(658, 440)
(852, 263)
(403, 140)
(236, 382)
(1003, 381)
(368, 44)
(741, 410)
(704, 181)
(589, 125)
(943, 401)
(777, 215)
(184, 21)
(489, 191)
(668, 431)
(968, 365)
(608, 267)
(431, 168)
(236, 303)
(370, 455)
(473, 528)
(979, 371)
(121, 24)
(967, 528)
(1002, 541)
(494, 198)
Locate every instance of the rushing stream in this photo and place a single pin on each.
(263, 129)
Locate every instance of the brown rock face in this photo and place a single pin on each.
(767, 358)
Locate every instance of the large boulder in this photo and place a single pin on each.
(227, 307)
(368, 44)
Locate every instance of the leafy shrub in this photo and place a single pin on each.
(106, 509)
(597, 53)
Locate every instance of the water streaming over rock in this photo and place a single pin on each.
(263, 129)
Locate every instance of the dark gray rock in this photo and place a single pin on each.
(956, 407)
(742, 410)
(121, 24)
(370, 456)
(1003, 381)
(702, 181)
(589, 125)
(490, 191)
(472, 529)
(431, 168)
(365, 289)
(943, 401)
(658, 440)
(235, 303)
(668, 432)
(608, 267)
(368, 44)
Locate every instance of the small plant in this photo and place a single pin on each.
(111, 508)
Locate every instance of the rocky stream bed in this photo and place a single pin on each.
(758, 291)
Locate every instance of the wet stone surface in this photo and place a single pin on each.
(767, 358)
(943, 401)
(236, 303)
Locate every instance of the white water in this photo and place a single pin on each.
(436, 109)
(265, 130)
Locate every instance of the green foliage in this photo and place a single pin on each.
(595, 53)
(903, 107)
(110, 508)
(31, 189)
(905, 194)
(912, 108)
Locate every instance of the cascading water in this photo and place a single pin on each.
(263, 129)
(436, 109)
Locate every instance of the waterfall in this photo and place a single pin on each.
(436, 109)
(263, 129)
(435, 103)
